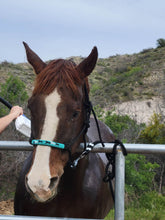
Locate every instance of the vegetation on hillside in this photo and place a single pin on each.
(128, 77)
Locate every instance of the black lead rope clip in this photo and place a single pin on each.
(88, 149)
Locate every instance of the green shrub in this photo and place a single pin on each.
(13, 90)
(132, 71)
(139, 175)
(154, 133)
(123, 126)
(117, 122)
(152, 200)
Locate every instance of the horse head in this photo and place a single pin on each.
(57, 115)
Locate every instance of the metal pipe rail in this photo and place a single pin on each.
(119, 168)
(17, 217)
(131, 148)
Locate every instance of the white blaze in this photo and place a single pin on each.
(39, 176)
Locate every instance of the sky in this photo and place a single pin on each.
(64, 28)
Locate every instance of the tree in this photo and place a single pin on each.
(154, 133)
(160, 42)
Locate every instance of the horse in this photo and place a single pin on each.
(48, 184)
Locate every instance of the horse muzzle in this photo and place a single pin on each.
(40, 192)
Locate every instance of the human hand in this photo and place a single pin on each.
(16, 111)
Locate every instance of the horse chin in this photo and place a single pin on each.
(43, 197)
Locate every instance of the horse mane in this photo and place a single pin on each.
(58, 73)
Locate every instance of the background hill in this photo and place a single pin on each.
(138, 80)
(129, 77)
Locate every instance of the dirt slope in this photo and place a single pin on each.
(6, 207)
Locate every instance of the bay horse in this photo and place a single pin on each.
(48, 185)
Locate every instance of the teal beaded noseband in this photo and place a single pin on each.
(47, 143)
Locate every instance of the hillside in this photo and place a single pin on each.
(128, 77)
(115, 80)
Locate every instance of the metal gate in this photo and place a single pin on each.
(119, 170)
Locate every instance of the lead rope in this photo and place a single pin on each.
(90, 106)
(110, 167)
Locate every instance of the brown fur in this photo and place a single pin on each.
(61, 73)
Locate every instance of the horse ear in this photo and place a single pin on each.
(88, 64)
(34, 59)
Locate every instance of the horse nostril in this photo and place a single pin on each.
(26, 180)
(53, 182)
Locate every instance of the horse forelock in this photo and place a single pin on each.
(58, 73)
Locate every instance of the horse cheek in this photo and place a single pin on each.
(56, 164)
